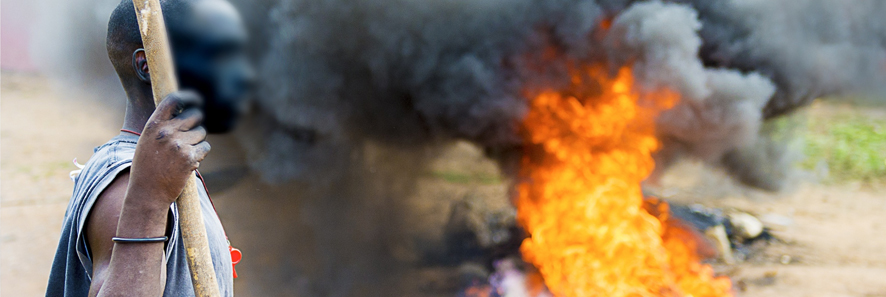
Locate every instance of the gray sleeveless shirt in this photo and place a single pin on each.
(71, 273)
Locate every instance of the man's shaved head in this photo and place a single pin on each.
(207, 38)
(123, 33)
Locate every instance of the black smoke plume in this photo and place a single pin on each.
(419, 72)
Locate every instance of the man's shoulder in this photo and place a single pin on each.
(108, 161)
(118, 151)
(119, 148)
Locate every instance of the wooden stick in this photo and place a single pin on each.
(163, 82)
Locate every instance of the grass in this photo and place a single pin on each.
(850, 143)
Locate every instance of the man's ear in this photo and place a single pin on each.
(140, 65)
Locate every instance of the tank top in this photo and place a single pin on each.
(71, 272)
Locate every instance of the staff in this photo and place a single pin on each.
(163, 82)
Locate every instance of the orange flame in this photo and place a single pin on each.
(580, 197)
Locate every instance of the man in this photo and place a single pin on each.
(112, 242)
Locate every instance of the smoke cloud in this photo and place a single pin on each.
(408, 72)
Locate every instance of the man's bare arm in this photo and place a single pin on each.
(143, 261)
(136, 204)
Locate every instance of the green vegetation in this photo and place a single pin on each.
(852, 145)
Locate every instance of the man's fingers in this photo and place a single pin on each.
(194, 136)
(166, 109)
(175, 103)
(201, 150)
(188, 119)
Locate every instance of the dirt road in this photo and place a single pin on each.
(42, 132)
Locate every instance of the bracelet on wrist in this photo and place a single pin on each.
(140, 240)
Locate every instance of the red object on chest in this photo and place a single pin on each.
(236, 255)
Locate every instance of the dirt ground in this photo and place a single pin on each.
(832, 245)
(833, 236)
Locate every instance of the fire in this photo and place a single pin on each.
(580, 197)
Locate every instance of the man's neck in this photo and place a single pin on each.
(139, 107)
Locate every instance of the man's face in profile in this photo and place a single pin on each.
(209, 50)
